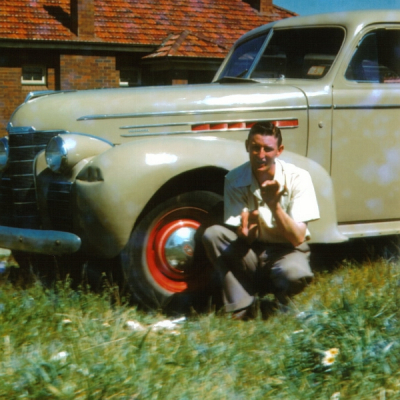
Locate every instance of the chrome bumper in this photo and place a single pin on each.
(38, 241)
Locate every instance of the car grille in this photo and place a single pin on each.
(18, 204)
(59, 205)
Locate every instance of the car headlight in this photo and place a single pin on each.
(56, 154)
(4, 150)
(66, 150)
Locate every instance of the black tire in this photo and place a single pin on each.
(160, 266)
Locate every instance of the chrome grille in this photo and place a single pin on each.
(18, 205)
(59, 205)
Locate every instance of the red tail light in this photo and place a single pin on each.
(281, 123)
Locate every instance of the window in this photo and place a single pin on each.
(377, 58)
(304, 53)
(129, 77)
(33, 75)
(243, 57)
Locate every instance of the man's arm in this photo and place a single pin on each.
(294, 232)
(236, 210)
(248, 229)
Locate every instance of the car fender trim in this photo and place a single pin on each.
(194, 112)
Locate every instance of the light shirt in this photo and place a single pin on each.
(298, 201)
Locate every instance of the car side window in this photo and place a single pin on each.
(376, 58)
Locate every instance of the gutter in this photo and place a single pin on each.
(78, 45)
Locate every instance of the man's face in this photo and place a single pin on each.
(263, 149)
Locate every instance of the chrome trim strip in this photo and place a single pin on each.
(210, 131)
(192, 123)
(31, 129)
(20, 129)
(158, 125)
(366, 107)
(39, 241)
(20, 189)
(40, 93)
(195, 112)
(33, 146)
(328, 107)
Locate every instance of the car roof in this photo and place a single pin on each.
(351, 20)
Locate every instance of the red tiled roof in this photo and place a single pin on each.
(196, 28)
(186, 44)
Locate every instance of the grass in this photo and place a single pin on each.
(65, 344)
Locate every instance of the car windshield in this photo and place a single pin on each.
(305, 53)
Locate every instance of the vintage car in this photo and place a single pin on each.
(102, 178)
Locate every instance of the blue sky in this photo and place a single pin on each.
(306, 7)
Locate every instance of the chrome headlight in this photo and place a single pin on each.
(4, 150)
(56, 154)
(66, 150)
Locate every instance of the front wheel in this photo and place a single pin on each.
(164, 258)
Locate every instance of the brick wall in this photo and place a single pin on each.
(76, 72)
(13, 93)
(10, 94)
(87, 72)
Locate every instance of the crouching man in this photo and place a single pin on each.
(262, 248)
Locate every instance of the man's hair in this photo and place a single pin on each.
(266, 128)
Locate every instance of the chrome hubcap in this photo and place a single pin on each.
(179, 249)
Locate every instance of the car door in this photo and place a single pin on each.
(365, 164)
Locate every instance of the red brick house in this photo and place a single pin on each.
(82, 44)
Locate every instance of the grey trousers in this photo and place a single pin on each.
(261, 268)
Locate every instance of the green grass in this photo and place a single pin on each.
(354, 308)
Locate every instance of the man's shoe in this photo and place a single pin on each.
(247, 313)
(241, 315)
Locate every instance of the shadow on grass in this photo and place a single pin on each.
(327, 257)
(324, 258)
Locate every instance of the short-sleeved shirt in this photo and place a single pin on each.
(299, 200)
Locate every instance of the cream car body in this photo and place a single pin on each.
(126, 152)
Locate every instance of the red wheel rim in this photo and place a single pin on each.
(166, 275)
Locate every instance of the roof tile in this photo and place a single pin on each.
(212, 26)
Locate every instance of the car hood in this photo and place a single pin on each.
(107, 112)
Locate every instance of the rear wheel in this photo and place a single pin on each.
(164, 261)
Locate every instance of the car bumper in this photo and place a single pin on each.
(39, 241)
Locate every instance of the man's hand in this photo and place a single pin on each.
(249, 227)
(294, 232)
(271, 193)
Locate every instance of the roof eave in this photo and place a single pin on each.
(77, 45)
(183, 59)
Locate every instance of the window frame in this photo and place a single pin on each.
(41, 82)
(124, 84)
(374, 30)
